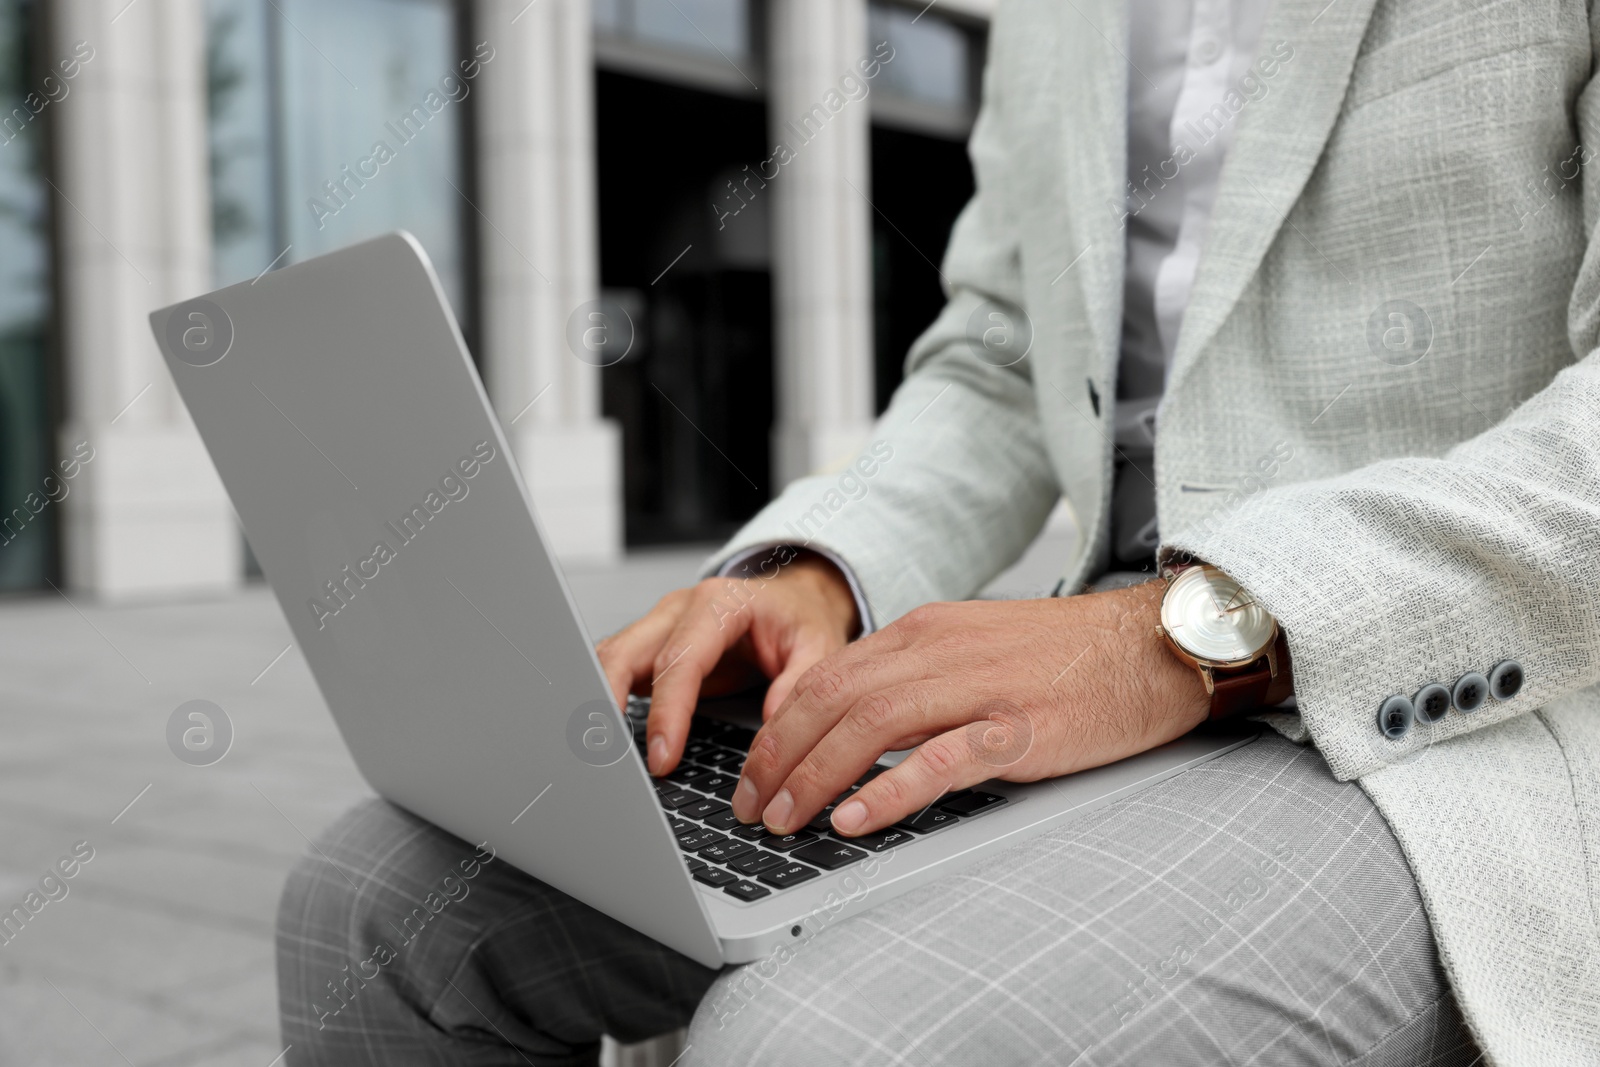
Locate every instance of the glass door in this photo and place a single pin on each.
(27, 513)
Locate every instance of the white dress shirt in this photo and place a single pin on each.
(1185, 57)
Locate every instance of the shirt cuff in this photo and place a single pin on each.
(739, 565)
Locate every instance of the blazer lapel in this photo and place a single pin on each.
(1277, 142)
(1091, 76)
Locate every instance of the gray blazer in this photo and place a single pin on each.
(1383, 417)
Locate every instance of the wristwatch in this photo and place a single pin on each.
(1212, 624)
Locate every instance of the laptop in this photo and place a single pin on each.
(377, 489)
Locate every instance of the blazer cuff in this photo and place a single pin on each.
(739, 565)
(1364, 627)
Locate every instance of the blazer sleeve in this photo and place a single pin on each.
(955, 482)
(1422, 570)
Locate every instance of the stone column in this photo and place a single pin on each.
(822, 234)
(540, 265)
(132, 206)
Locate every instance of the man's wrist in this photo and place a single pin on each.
(830, 586)
(764, 562)
(1170, 683)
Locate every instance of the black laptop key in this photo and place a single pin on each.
(662, 786)
(688, 773)
(719, 785)
(972, 803)
(725, 760)
(750, 833)
(707, 729)
(746, 891)
(715, 876)
(696, 748)
(740, 738)
(829, 855)
(726, 851)
(681, 826)
(699, 839)
(724, 820)
(787, 875)
(788, 842)
(714, 839)
(756, 862)
(822, 821)
(703, 809)
(879, 840)
(927, 821)
(678, 798)
(713, 782)
(696, 865)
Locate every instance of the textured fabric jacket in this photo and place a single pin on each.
(1383, 418)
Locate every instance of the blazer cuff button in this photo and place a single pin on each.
(1394, 717)
(1505, 680)
(1431, 701)
(1469, 692)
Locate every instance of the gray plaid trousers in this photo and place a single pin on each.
(1252, 910)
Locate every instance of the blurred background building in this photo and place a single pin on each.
(753, 194)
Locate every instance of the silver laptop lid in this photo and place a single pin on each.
(340, 406)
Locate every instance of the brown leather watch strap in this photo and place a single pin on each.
(1252, 688)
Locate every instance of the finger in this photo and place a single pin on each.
(898, 717)
(938, 766)
(706, 629)
(819, 700)
(811, 646)
(626, 656)
(860, 656)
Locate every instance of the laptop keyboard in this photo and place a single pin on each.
(748, 862)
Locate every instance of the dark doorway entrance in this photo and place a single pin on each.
(694, 395)
(29, 479)
(920, 183)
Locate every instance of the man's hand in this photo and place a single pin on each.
(1018, 690)
(727, 634)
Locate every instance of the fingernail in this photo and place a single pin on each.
(658, 754)
(848, 817)
(777, 814)
(744, 800)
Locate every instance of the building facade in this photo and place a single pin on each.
(688, 240)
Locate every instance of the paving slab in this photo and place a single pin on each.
(163, 942)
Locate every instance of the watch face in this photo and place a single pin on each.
(1211, 618)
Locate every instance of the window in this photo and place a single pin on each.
(719, 27)
(315, 146)
(26, 453)
(713, 45)
(922, 111)
(930, 60)
(931, 87)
